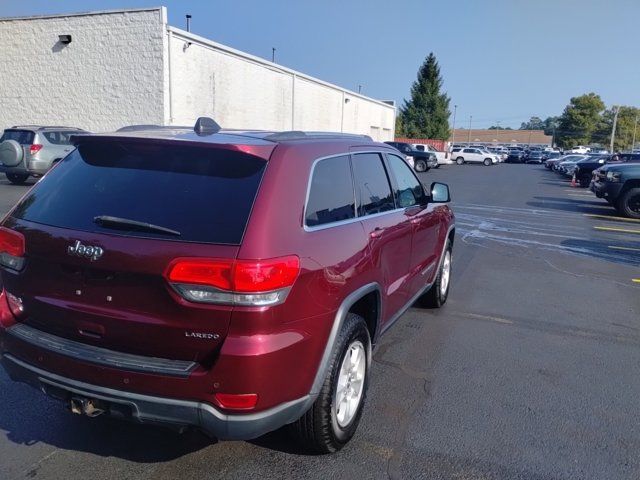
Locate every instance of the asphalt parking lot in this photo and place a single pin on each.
(530, 371)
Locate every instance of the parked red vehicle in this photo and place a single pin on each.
(230, 281)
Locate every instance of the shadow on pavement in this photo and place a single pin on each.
(600, 250)
(579, 207)
(28, 418)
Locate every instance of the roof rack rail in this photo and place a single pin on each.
(136, 128)
(45, 126)
(300, 135)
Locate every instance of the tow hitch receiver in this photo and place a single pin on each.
(86, 406)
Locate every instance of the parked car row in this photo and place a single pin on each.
(615, 178)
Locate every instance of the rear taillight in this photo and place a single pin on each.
(11, 249)
(234, 282)
(35, 148)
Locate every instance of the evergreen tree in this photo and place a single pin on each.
(580, 120)
(426, 115)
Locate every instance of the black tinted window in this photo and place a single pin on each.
(408, 191)
(58, 138)
(23, 137)
(331, 192)
(205, 194)
(372, 184)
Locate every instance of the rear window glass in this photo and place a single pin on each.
(23, 137)
(331, 196)
(58, 138)
(206, 194)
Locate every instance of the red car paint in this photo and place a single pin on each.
(123, 302)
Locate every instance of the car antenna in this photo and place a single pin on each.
(206, 126)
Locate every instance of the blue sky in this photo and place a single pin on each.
(500, 60)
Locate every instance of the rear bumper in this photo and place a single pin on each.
(159, 410)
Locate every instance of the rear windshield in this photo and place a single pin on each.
(23, 137)
(58, 138)
(205, 194)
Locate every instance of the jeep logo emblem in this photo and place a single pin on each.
(86, 251)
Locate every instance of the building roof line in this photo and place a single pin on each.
(82, 14)
(193, 38)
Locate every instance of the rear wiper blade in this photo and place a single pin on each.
(127, 224)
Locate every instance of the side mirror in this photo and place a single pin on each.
(440, 193)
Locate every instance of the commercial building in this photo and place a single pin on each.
(103, 70)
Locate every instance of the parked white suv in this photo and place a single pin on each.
(579, 149)
(473, 155)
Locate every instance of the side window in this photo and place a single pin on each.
(408, 191)
(420, 148)
(372, 184)
(331, 192)
(468, 150)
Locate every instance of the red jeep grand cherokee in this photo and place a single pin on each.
(231, 281)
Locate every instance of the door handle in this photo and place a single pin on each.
(377, 232)
(415, 221)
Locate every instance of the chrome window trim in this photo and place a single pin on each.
(357, 218)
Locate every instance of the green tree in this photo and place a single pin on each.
(534, 123)
(498, 127)
(550, 125)
(624, 128)
(426, 115)
(580, 120)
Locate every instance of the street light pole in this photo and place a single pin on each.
(469, 137)
(453, 135)
(273, 54)
(613, 130)
(498, 134)
(635, 127)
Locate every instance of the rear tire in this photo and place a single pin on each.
(460, 161)
(585, 180)
(629, 203)
(437, 295)
(331, 421)
(17, 178)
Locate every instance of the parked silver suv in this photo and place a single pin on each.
(32, 150)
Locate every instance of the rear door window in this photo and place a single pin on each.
(58, 138)
(331, 197)
(23, 137)
(204, 193)
(373, 191)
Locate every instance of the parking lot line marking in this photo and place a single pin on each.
(581, 195)
(629, 249)
(612, 218)
(614, 229)
(635, 280)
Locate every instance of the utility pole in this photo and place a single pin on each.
(453, 135)
(273, 54)
(359, 88)
(635, 127)
(498, 134)
(613, 130)
(469, 136)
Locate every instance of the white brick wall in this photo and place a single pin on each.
(242, 91)
(110, 75)
(129, 67)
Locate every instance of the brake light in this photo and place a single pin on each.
(234, 282)
(12, 248)
(231, 401)
(11, 242)
(35, 148)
